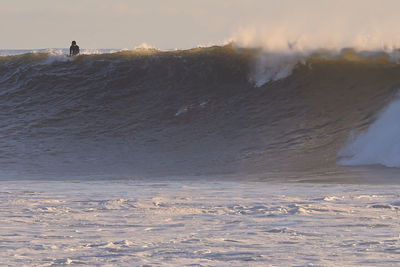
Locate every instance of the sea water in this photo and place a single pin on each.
(76, 131)
(186, 223)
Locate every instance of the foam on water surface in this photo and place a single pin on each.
(189, 223)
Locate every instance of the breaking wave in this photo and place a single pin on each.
(380, 144)
(215, 110)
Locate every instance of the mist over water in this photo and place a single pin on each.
(330, 25)
(289, 32)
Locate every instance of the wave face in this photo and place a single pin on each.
(194, 112)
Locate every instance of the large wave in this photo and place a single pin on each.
(215, 110)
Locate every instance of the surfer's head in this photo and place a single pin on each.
(73, 43)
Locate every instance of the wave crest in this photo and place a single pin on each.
(186, 112)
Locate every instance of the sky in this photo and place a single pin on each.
(171, 24)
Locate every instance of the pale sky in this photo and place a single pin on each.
(169, 24)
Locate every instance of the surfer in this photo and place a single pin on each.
(74, 49)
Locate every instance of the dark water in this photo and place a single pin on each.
(185, 113)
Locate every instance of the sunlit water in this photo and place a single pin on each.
(134, 223)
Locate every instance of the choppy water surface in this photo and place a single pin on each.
(194, 224)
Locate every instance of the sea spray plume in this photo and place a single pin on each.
(281, 50)
(315, 25)
(144, 46)
(276, 58)
(284, 40)
(359, 24)
(380, 144)
(273, 67)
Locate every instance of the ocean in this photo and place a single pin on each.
(212, 156)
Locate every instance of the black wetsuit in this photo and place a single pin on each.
(74, 50)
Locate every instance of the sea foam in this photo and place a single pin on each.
(380, 144)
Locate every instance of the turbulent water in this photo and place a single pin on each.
(182, 158)
(205, 111)
(131, 223)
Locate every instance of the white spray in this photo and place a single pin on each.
(289, 31)
(380, 144)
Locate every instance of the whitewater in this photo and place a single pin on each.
(211, 156)
(131, 223)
